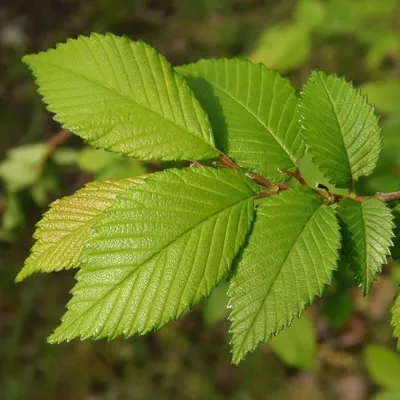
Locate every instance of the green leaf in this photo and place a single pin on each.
(215, 307)
(61, 234)
(158, 251)
(387, 396)
(395, 250)
(383, 365)
(296, 344)
(65, 156)
(384, 95)
(253, 112)
(311, 13)
(93, 160)
(290, 256)
(341, 130)
(123, 96)
(367, 230)
(23, 166)
(284, 47)
(396, 319)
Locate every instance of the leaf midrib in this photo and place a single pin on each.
(129, 275)
(163, 116)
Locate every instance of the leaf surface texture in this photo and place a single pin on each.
(341, 130)
(123, 96)
(61, 233)
(291, 254)
(158, 251)
(367, 230)
(253, 112)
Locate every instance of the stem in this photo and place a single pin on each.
(57, 140)
(295, 175)
(226, 162)
(386, 197)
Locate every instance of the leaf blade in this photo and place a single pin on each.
(155, 253)
(266, 293)
(61, 233)
(120, 95)
(367, 230)
(341, 130)
(253, 112)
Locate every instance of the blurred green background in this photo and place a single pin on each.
(342, 348)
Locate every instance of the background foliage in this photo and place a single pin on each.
(342, 348)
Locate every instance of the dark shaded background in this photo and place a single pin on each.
(188, 359)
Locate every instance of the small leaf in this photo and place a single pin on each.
(290, 256)
(384, 95)
(383, 366)
(93, 160)
(123, 96)
(65, 156)
(296, 344)
(341, 130)
(367, 230)
(396, 319)
(61, 233)
(311, 13)
(253, 112)
(283, 47)
(23, 166)
(161, 248)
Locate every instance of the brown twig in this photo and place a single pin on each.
(57, 140)
(295, 175)
(386, 197)
(226, 162)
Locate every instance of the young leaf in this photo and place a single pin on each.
(157, 251)
(367, 230)
(296, 344)
(341, 130)
(290, 256)
(284, 47)
(23, 166)
(383, 365)
(253, 112)
(64, 228)
(396, 319)
(123, 96)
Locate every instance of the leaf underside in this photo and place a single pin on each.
(341, 131)
(290, 256)
(155, 253)
(367, 230)
(123, 96)
(61, 233)
(253, 112)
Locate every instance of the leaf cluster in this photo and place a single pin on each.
(149, 248)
